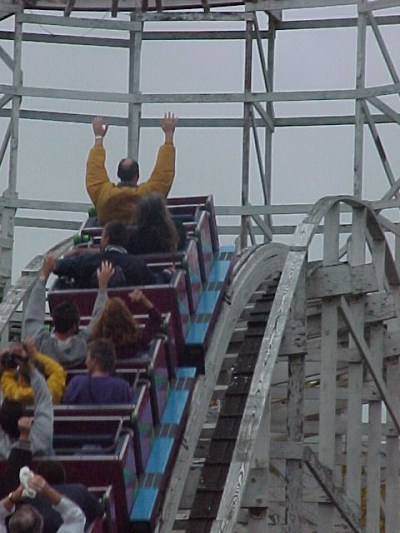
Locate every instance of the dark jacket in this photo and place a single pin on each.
(20, 456)
(82, 268)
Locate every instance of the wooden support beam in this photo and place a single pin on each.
(324, 477)
(336, 280)
(362, 345)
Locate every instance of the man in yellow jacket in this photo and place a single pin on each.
(15, 384)
(116, 202)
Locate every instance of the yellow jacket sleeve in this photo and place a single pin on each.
(117, 203)
(13, 390)
(55, 378)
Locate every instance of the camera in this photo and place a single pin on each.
(11, 359)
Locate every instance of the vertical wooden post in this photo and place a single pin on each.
(359, 113)
(295, 412)
(8, 215)
(246, 131)
(270, 113)
(329, 326)
(354, 407)
(134, 109)
(392, 496)
(373, 497)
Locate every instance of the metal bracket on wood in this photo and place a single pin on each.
(69, 7)
(114, 8)
(205, 5)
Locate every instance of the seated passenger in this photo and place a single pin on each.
(155, 230)
(116, 202)
(11, 411)
(15, 383)
(66, 343)
(53, 472)
(26, 519)
(117, 323)
(131, 269)
(99, 386)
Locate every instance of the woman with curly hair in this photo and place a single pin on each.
(117, 323)
(156, 231)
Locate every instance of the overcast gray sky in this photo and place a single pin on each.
(308, 162)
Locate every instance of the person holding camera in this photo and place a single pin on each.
(11, 411)
(15, 383)
(25, 518)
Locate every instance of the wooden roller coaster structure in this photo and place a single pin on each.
(316, 428)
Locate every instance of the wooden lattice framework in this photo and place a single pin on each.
(261, 21)
(318, 302)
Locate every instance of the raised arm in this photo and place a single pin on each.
(35, 308)
(97, 181)
(72, 515)
(42, 429)
(104, 273)
(153, 322)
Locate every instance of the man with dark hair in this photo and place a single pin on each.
(130, 269)
(127, 171)
(117, 202)
(66, 317)
(99, 386)
(26, 519)
(66, 343)
(54, 473)
(11, 411)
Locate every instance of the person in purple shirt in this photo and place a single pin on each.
(99, 385)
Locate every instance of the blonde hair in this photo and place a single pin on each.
(116, 323)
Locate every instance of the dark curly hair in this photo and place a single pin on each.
(10, 412)
(154, 221)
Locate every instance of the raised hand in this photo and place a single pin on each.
(48, 265)
(168, 124)
(99, 127)
(104, 273)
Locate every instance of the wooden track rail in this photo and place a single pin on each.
(321, 422)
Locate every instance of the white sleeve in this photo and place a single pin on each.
(72, 515)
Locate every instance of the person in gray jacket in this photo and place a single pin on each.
(11, 411)
(66, 343)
